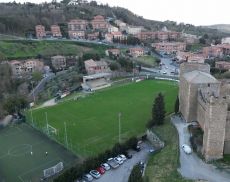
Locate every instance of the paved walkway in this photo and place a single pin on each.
(192, 166)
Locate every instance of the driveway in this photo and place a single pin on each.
(192, 166)
(121, 174)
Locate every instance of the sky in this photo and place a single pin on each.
(197, 12)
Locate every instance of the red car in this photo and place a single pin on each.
(101, 170)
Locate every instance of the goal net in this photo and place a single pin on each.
(51, 129)
(53, 170)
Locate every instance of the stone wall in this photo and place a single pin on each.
(214, 129)
(184, 97)
(227, 135)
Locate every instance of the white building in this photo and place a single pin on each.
(133, 29)
(112, 29)
(225, 40)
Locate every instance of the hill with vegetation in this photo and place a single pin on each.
(221, 27)
(20, 19)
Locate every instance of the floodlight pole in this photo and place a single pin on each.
(47, 124)
(119, 126)
(66, 140)
(32, 119)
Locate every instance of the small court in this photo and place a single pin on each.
(25, 153)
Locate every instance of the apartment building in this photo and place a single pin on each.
(136, 52)
(169, 47)
(99, 23)
(40, 31)
(55, 30)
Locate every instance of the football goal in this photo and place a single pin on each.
(51, 129)
(53, 170)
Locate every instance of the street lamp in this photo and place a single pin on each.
(119, 126)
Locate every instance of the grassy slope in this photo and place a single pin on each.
(26, 49)
(92, 122)
(147, 60)
(162, 167)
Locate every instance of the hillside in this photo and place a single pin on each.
(221, 27)
(20, 49)
(20, 19)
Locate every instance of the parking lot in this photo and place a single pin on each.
(121, 174)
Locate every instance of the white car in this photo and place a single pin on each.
(123, 157)
(118, 160)
(105, 166)
(88, 177)
(187, 149)
(95, 174)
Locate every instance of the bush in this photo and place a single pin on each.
(136, 175)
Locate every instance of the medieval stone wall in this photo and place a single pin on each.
(227, 135)
(214, 129)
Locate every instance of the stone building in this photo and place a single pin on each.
(26, 67)
(58, 62)
(202, 100)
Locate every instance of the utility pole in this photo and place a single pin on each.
(32, 119)
(119, 126)
(47, 124)
(33, 91)
(66, 140)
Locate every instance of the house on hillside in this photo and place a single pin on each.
(56, 32)
(136, 52)
(94, 67)
(40, 31)
(25, 67)
(99, 23)
(58, 62)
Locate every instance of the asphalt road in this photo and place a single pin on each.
(191, 166)
(121, 174)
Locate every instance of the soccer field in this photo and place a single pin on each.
(92, 122)
(16, 162)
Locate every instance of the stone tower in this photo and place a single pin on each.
(214, 128)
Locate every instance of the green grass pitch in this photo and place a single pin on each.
(16, 162)
(92, 122)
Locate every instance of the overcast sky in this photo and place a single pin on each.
(197, 12)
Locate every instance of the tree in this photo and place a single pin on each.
(177, 104)
(202, 41)
(14, 104)
(158, 110)
(36, 76)
(136, 175)
(100, 36)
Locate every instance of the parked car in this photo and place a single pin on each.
(187, 149)
(118, 160)
(123, 157)
(129, 156)
(101, 170)
(105, 166)
(138, 148)
(151, 150)
(95, 174)
(87, 177)
(142, 166)
(112, 163)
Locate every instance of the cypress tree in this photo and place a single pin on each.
(158, 110)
